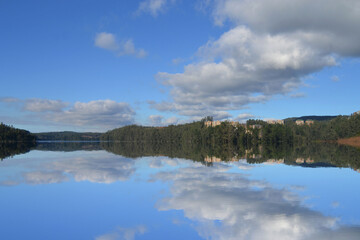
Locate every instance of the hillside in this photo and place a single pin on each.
(67, 136)
(9, 134)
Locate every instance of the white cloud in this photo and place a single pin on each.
(128, 48)
(154, 7)
(271, 48)
(44, 105)
(105, 113)
(158, 120)
(106, 41)
(109, 42)
(99, 115)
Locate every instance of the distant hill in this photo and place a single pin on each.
(313, 117)
(67, 136)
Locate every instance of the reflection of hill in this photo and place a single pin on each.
(172, 150)
(11, 149)
(68, 146)
(316, 155)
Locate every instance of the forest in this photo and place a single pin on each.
(254, 132)
(9, 134)
(15, 141)
(67, 136)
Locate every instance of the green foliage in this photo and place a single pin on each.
(224, 135)
(15, 148)
(255, 132)
(9, 134)
(68, 136)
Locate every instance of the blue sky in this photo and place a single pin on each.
(97, 65)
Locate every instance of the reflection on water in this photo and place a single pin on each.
(313, 155)
(93, 169)
(245, 209)
(11, 149)
(79, 191)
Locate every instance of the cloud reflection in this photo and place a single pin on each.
(230, 206)
(88, 168)
(107, 170)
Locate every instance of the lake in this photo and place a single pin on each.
(102, 192)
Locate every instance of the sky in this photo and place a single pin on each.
(97, 65)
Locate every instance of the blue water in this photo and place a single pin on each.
(102, 196)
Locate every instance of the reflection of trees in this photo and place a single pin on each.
(314, 155)
(12, 149)
(229, 206)
(68, 146)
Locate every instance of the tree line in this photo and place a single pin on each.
(9, 134)
(254, 132)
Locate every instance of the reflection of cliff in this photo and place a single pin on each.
(226, 205)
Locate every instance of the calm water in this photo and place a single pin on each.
(54, 192)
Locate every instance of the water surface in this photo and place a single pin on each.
(81, 191)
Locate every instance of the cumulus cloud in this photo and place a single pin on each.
(44, 105)
(271, 48)
(154, 7)
(107, 113)
(106, 41)
(109, 42)
(98, 114)
(158, 120)
(228, 205)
